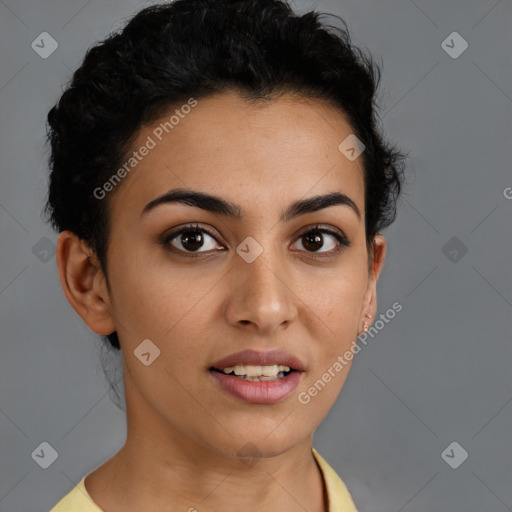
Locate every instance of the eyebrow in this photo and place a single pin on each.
(220, 206)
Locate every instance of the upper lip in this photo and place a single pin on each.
(253, 357)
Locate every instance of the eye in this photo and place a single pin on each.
(314, 239)
(189, 239)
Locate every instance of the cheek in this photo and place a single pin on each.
(150, 299)
(335, 309)
(337, 300)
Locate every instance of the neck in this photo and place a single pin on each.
(161, 468)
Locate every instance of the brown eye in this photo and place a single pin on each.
(191, 239)
(315, 239)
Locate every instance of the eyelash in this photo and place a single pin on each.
(342, 240)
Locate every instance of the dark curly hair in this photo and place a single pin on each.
(168, 53)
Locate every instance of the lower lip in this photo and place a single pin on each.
(259, 392)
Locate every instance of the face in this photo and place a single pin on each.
(249, 280)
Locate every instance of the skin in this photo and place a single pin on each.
(183, 430)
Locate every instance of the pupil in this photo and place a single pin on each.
(314, 241)
(196, 240)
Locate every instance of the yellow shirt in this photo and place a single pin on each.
(340, 500)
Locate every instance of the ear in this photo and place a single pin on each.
(84, 283)
(369, 306)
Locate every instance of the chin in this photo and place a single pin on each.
(257, 441)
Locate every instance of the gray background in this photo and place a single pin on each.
(438, 372)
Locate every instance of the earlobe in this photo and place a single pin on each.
(370, 300)
(83, 283)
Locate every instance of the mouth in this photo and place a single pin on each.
(258, 377)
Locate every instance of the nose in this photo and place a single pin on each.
(262, 297)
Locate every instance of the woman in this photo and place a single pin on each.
(219, 186)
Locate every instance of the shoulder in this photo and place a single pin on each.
(77, 500)
(340, 499)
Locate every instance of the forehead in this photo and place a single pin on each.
(265, 154)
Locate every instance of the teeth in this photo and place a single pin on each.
(256, 371)
(270, 371)
(280, 375)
